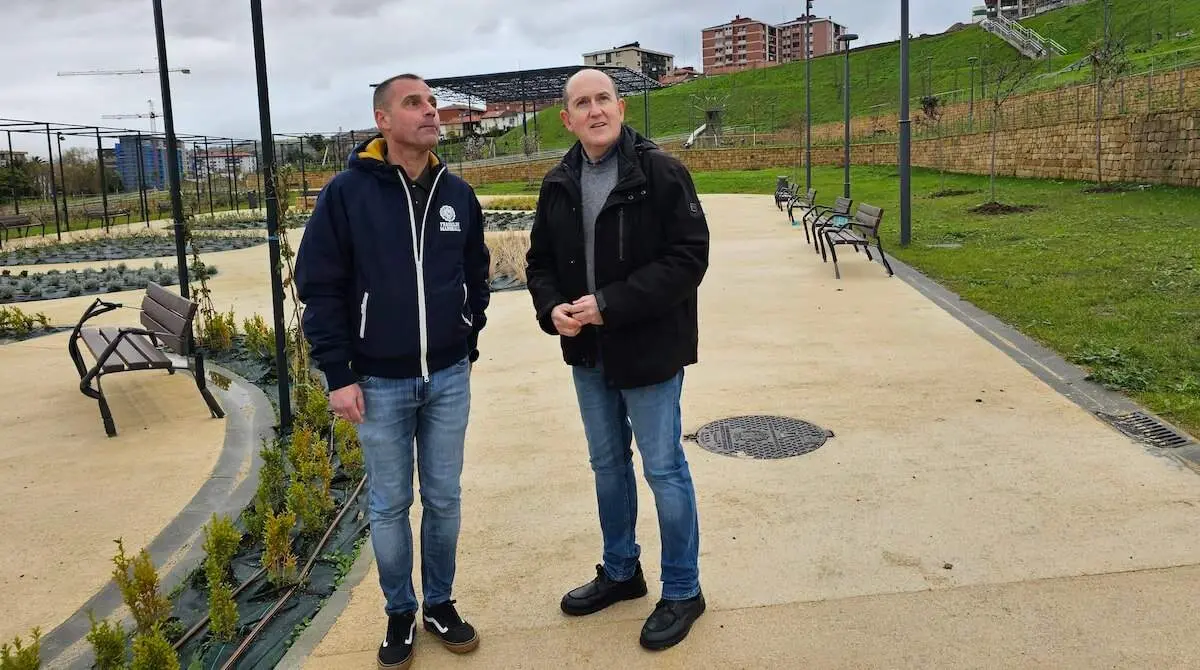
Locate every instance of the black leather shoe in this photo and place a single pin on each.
(456, 635)
(671, 622)
(396, 652)
(602, 592)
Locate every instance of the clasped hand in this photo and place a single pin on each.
(570, 318)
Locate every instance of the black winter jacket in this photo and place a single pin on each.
(390, 291)
(651, 253)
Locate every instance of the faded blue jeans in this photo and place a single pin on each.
(434, 415)
(612, 418)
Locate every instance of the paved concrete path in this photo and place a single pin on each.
(965, 514)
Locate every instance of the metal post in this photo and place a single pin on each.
(141, 173)
(257, 171)
(53, 189)
(208, 161)
(62, 178)
(172, 155)
(971, 112)
(808, 95)
(237, 197)
(646, 107)
(196, 160)
(264, 119)
(847, 38)
(905, 133)
(303, 177)
(12, 175)
(103, 179)
(229, 172)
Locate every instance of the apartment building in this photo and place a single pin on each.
(653, 64)
(825, 32)
(746, 43)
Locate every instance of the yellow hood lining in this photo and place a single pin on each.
(377, 150)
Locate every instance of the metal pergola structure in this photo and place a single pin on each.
(59, 131)
(535, 86)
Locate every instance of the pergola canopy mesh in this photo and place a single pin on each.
(531, 85)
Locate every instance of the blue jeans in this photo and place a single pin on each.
(651, 414)
(434, 415)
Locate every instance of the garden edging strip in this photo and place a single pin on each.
(250, 419)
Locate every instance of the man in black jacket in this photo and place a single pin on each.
(393, 270)
(618, 250)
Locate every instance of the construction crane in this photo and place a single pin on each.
(152, 115)
(79, 73)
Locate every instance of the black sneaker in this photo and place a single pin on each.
(602, 592)
(457, 635)
(396, 652)
(671, 622)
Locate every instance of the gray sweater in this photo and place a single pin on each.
(596, 181)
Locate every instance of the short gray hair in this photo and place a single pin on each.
(382, 91)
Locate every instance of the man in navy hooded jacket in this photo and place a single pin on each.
(393, 271)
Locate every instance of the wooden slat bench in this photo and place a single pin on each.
(860, 231)
(819, 215)
(99, 213)
(18, 221)
(166, 323)
(805, 202)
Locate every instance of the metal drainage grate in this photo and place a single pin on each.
(1147, 429)
(763, 437)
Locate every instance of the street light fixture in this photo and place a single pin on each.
(808, 94)
(846, 39)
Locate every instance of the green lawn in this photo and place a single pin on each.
(1110, 281)
(773, 98)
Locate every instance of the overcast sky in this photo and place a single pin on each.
(323, 54)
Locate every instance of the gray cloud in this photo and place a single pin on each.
(323, 54)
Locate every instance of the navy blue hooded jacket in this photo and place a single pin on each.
(389, 291)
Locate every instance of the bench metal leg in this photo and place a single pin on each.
(883, 257)
(97, 394)
(837, 274)
(201, 384)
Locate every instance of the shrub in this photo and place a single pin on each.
(108, 643)
(260, 339)
(278, 558)
(138, 581)
(222, 612)
(221, 540)
(6, 293)
(152, 651)
(272, 487)
(312, 407)
(73, 289)
(218, 331)
(308, 496)
(21, 657)
(27, 286)
(91, 285)
(15, 323)
(345, 438)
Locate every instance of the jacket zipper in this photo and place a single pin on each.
(621, 234)
(469, 320)
(362, 324)
(418, 256)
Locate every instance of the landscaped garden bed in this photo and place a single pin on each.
(143, 245)
(503, 221)
(26, 286)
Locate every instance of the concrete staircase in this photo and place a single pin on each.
(1025, 40)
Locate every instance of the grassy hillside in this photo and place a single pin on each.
(773, 98)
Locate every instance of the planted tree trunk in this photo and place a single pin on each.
(995, 124)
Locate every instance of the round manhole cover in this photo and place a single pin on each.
(764, 437)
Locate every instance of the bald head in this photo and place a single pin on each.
(593, 111)
(589, 79)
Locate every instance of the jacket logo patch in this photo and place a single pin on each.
(694, 207)
(449, 225)
(448, 220)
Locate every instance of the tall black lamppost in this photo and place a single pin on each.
(905, 133)
(808, 94)
(846, 39)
